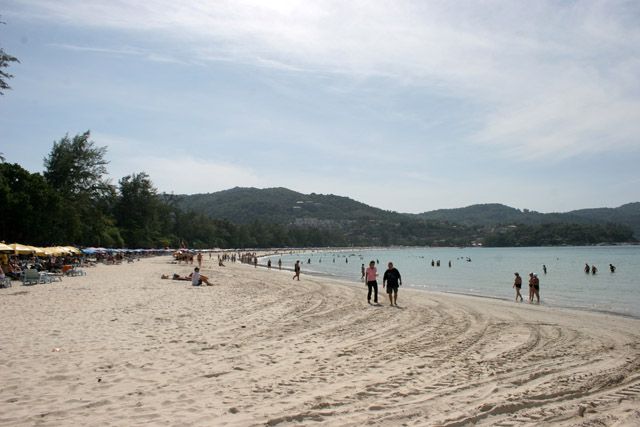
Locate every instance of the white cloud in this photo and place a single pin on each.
(553, 78)
(173, 170)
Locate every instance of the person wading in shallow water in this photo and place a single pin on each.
(536, 288)
(518, 284)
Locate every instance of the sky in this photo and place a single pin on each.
(405, 105)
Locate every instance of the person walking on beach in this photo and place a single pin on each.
(392, 281)
(296, 268)
(536, 288)
(362, 269)
(200, 259)
(518, 284)
(280, 264)
(372, 283)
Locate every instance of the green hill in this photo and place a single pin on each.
(281, 206)
(497, 214)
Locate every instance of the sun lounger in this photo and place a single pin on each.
(31, 276)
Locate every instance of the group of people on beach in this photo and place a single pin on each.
(534, 287)
(391, 280)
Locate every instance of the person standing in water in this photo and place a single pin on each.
(518, 285)
(372, 284)
(392, 281)
(530, 287)
(536, 288)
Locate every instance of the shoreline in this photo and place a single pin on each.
(559, 291)
(259, 348)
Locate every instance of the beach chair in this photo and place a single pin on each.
(53, 277)
(31, 277)
(5, 282)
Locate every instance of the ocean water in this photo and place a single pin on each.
(489, 272)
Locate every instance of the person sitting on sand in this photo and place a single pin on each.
(197, 278)
(176, 276)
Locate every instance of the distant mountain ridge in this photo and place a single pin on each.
(284, 206)
(494, 214)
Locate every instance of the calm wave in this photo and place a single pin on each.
(489, 272)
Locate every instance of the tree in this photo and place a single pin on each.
(75, 168)
(138, 210)
(30, 208)
(5, 60)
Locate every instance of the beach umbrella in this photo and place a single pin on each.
(37, 251)
(19, 249)
(4, 248)
(53, 251)
(73, 250)
(50, 251)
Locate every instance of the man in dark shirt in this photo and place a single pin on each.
(392, 281)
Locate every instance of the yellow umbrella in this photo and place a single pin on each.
(73, 250)
(5, 248)
(36, 250)
(53, 251)
(19, 249)
(48, 252)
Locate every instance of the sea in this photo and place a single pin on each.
(489, 272)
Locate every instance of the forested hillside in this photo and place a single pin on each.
(280, 206)
(497, 214)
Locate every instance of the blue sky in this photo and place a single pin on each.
(408, 106)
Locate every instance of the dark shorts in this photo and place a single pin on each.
(519, 286)
(392, 289)
(536, 287)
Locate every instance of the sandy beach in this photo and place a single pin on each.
(121, 346)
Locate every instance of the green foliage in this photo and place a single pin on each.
(29, 206)
(560, 234)
(75, 168)
(5, 61)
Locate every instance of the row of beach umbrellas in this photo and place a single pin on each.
(20, 249)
